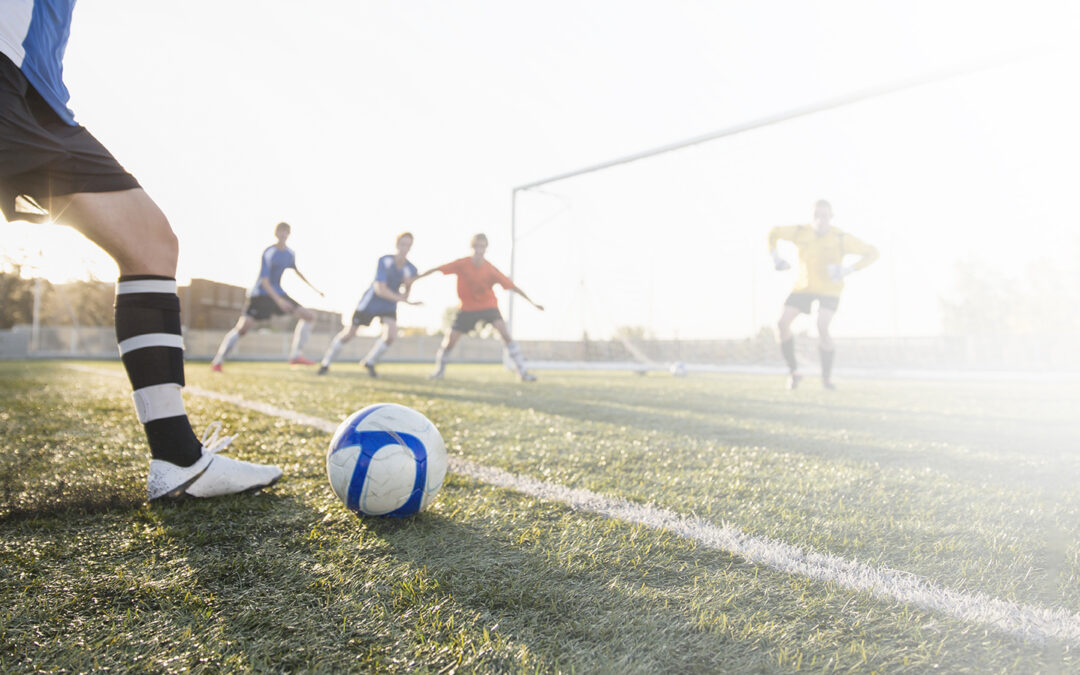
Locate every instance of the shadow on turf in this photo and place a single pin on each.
(63, 500)
(1016, 442)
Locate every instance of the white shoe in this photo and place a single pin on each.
(526, 376)
(211, 476)
(437, 375)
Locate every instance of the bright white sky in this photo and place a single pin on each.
(357, 120)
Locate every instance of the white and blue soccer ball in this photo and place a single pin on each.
(386, 460)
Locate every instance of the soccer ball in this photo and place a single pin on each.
(386, 460)
(678, 369)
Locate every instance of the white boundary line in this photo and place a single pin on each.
(1031, 623)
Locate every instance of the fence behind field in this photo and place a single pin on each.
(1043, 353)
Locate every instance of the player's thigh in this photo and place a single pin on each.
(303, 313)
(452, 339)
(127, 224)
(787, 315)
(500, 326)
(824, 319)
(389, 329)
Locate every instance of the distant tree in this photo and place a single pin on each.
(16, 297)
(632, 333)
(86, 303)
(988, 300)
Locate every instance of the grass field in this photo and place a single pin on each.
(969, 487)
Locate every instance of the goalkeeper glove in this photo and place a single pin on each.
(838, 272)
(779, 263)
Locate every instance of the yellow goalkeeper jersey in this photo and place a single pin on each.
(818, 251)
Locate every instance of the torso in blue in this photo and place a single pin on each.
(390, 274)
(274, 263)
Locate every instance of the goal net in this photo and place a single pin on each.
(663, 257)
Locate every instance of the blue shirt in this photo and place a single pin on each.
(34, 35)
(388, 273)
(274, 263)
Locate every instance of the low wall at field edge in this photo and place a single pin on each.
(1055, 353)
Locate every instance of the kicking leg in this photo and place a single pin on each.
(343, 337)
(243, 324)
(787, 343)
(826, 346)
(301, 335)
(380, 346)
(513, 351)
(134, 231)
(440, 356)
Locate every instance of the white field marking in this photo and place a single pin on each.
(1031, 623)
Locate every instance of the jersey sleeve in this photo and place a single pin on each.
(264, 268)
(786, 232)
(410, 272)
(501, 278)
(292, 260)
(380, 271)
(451, 267)
(855, 246)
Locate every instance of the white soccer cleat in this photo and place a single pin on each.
(437, 375)
(526, 376)
(211, 476)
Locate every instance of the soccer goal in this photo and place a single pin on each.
(659, 258)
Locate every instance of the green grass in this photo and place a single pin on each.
(971, 486)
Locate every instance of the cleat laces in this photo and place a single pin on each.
(210, 441)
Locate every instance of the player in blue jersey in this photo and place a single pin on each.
(51, 168)
(266, 299)
(394, 276)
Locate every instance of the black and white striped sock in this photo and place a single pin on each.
(151, 347)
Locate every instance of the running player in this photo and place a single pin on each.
(266, 299)
(51, 168)
(476, 278)
(392, 272)
(822, 249)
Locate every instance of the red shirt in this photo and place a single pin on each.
(475, 283)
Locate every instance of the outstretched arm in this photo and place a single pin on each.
(854, 246)
(385, 292)
(775, 235)
(304, 279)
(520, 292)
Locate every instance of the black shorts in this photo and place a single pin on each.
(466, 321)
(41, 156)
(803, 301)
(261, 307)
(365, 318)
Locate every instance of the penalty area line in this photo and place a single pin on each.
(1028, 622)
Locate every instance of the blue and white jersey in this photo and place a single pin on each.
(388, 273)
(274, 263)
(34, 35)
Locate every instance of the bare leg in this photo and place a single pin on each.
(513, 350)
(826, 346)
(342, 338)
(243, 325)
(787, 342)
(444, 349)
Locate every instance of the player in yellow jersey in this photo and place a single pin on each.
(822, 249)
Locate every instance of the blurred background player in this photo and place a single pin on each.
(820, 279)
(476, 277)
(267, 299)
(51, 168)
(393, 272)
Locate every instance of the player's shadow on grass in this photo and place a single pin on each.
(1004, 457)
(62, 499)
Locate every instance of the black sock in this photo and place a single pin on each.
(826, 363)
(148, 332)
(787, 348)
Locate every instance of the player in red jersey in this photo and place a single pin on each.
(476, 278)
